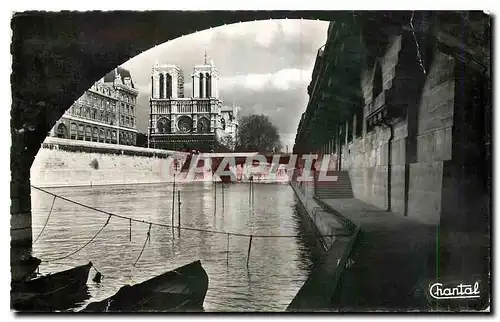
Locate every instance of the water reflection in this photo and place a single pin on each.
(277, 266)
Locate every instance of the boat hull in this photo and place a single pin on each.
(54, 292)
(180, 290)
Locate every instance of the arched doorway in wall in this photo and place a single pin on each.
(203, 125)
(163, 125)
(62, 131)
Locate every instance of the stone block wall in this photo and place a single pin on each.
(416, 171)
(63, 168)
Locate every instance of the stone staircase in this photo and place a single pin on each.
(340, 189)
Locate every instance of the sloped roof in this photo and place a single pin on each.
(110, 77)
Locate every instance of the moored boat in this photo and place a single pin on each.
(52, 292)
(182, 289)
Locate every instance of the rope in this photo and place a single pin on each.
(148, 236)
(46, 221)
(171, 226)
(79, 249)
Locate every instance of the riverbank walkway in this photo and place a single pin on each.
(391, 263)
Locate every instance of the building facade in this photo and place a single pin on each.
(105, 113)
(198, 122)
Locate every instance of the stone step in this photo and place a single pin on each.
(333, 192)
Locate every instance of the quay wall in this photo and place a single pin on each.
(321, 286)
(421, 143)
(324, 222)
(53, 168)
(64, 163)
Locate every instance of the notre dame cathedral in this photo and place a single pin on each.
(196, 122)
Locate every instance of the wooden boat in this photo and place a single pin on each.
(52, 292)
(182, 289)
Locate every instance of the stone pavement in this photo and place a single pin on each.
(394, 262)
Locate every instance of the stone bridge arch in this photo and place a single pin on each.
(57, 56)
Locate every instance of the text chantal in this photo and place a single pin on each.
(461, 291)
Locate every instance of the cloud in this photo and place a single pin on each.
(264, 66)
(284, 79)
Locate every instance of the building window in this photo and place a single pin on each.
(88, 133)
(73, 129)
(201, 85)
(169, 86)
(80, 131)
(208, 85)
(162, 93)
(223, 124)
(377, 81)
(62, 131)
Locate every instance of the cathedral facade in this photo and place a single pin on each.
(196, 122)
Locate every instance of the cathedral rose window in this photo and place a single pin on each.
(185, 124)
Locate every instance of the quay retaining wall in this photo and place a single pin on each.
(320, 288)
(65, 163)
(61, 168)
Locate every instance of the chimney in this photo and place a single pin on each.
(118, 78)
(127, 81)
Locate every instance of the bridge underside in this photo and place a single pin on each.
(58, 56)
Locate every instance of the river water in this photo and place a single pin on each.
(277, 266)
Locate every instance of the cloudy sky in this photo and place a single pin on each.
(264, 67)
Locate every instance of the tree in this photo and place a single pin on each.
(256, 133)
(226, 144)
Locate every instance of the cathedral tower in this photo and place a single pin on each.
(205, 80)
(167, 82)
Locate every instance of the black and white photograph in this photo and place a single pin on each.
(250, 161)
